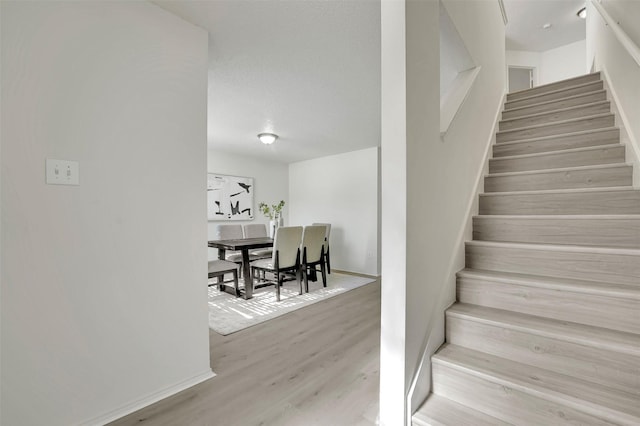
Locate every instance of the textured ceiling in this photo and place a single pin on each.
(526, 17)
(308, 71)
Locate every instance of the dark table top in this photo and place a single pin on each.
(242, 243)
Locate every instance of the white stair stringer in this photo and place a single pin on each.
(547, 325)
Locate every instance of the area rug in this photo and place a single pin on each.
(228, 314)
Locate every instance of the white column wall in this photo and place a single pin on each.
(104, 284)
(429, 184)
(342, 190)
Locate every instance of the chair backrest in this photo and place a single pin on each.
(255, 230)
(313, 241)
(327, 232)
(228, 232)
(286, 244)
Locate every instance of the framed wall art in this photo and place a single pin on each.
(229, 197)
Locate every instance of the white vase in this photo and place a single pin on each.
(273, 224)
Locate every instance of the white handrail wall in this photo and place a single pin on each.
(611, 51)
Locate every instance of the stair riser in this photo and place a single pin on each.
(621, 371)
(565, 84)
(504, 402)
(554, 96)
(588, 157)
(606, 202)
(606, 267)
(555, 116)
(616, 313)
(555, 105)
(558, 143)
(583, 232)
(586, 178)
(556, 129)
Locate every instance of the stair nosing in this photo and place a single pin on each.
(561, 169)
(563, 81)
(559, 135)
(573, 285)
(560, 151)
(556, 100)
(572, 87)
(573, 332)
(560, 216)
(575, 248)
(565, 398)
(554, 123)
(555, 111)
(561, 191)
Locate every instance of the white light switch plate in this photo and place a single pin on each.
(62, 172)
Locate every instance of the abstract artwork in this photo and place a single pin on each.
(229, 197)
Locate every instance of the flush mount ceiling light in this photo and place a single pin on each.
(582, 13)
(546, 26)
(267, 138)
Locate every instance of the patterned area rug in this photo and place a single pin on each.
(228, 314)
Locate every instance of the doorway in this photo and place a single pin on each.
(520, 78)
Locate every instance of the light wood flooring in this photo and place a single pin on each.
(315, 366)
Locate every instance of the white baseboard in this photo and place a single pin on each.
(149, 399)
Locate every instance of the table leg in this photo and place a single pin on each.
(221, 255)
(246, 271)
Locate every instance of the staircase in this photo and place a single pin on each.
(546, 329)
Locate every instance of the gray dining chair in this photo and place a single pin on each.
(327, 252)
(257, 230)
(229, 232)
(285, 260)
(313, 254)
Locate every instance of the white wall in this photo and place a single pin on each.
(103, 284)
(271, 180)
(428, 184)
(621, 72)
(563, 62)
(552, 65)
(341, 190)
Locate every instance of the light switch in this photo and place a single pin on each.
(62, 172)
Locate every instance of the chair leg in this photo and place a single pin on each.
(299, 279)
(328, 260)
(324, 274)
(278, 286)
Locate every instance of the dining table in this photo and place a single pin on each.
(244, 245)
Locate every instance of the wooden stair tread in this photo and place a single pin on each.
(585, 335)
(599, 401)
(568, 216)
(438, 410)
(568, 284)
(561, 191)
(542, 138)
(559, 169)
(555, 83)
(553, 111)
(554, 123)
(557, 91)
(581, 95)
(559, 152)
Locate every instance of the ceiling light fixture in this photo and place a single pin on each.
(546, 26)
(582, 13)
(267, 138)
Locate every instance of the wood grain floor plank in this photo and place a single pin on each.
(315, 366)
